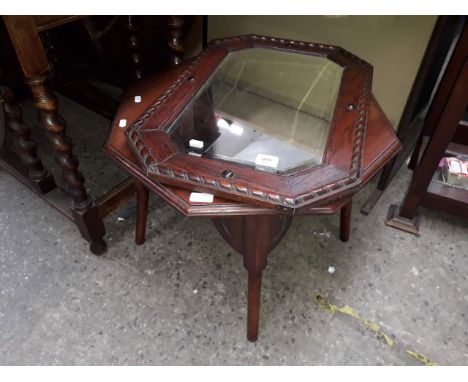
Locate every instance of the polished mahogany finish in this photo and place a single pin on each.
(254, 237)
(339, 173)
(142, 210)
(252, 230)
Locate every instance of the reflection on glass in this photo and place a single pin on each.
(264, 108)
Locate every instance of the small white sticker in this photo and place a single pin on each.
(196, 143)
(266, 160)
(194, 154)
(122, 123)
(331, 269)
(137, 99)
(201, 197)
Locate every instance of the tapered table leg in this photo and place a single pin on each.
(255, 243)
(345, 221)
(253, 305)
(142, 213)
(254, 237)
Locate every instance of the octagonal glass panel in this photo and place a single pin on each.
(264, 108)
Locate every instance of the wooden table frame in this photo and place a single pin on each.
(254, 237)
(338, 174)
(22, 160)
(253, 231)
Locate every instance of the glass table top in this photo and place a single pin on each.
(264, 108)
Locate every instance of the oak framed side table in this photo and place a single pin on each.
(271, 128)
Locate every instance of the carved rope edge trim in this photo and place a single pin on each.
(355, 169)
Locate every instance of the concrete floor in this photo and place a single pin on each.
(180, 299)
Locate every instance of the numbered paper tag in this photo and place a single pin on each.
(201, 197)
(266, 160)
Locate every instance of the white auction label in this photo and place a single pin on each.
(122, 123)
(137, 99)
(194, 154)
(201, 197)
(196, 143)
(267, 160)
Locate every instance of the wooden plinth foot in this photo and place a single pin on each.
(404, 224)
(91, 226)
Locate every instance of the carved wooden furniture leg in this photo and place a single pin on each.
(24, 36)
(255, 252)
(134, 43)
(142, 213)
(25, 147)
(175, 39)
(345, 221)
(254, 237)
(84, 211)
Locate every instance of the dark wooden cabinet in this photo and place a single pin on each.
(444, 123)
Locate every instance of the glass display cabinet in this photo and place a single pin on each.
(268, 127)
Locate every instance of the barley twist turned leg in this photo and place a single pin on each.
(135, 45)
(25, 147)
(174, 39)
(47, 104)
(84, 211)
